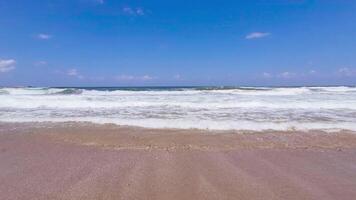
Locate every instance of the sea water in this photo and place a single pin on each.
(215, 108)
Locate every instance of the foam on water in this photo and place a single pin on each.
(240, 108)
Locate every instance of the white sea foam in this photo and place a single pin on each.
(244, 108)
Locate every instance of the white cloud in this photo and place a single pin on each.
(312, 72)
(74, 72)
(7, 65)
(134, 78)
(147, 77)
(345, 71)
(286, 75)
(256, 35)
(43, 36)
(133, 11)
(267, 75)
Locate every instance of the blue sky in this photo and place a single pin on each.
(159, 42)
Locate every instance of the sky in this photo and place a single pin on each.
(177, 42)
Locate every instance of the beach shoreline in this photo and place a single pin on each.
(91, 161)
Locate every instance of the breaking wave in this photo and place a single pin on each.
(221, 108)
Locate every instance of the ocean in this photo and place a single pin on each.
(213, 108)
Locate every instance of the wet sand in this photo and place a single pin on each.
(87, 161)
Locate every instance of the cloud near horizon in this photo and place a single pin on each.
(124, 77)
(43, 36)
(341, 72)
(283, 75)
(267, 75)
(7, 65)
(74, 73)
(287, 75)
(257, 35)
(345, 71)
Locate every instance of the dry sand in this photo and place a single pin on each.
(87, 161)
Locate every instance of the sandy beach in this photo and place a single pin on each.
(177, 100)
(88, 161)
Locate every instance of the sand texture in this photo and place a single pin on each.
(85, 161)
